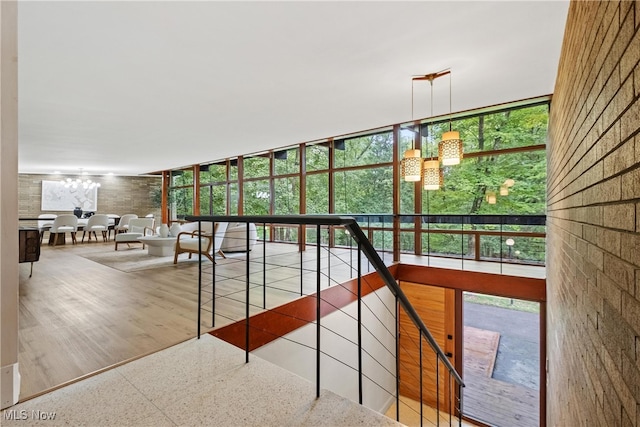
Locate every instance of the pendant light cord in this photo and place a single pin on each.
(450, 103)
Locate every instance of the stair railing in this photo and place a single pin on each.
(452, 391)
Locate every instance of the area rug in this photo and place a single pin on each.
(136, 260)
(480, 350)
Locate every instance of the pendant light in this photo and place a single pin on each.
(432, 176)
(450, 148)
(411, 165)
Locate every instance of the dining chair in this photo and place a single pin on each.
(61, 225)
(44, 224)
(98, 222)
(113, 220)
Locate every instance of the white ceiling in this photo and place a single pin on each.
(137, 87)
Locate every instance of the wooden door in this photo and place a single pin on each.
(436, 307)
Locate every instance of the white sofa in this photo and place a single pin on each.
(235, 238)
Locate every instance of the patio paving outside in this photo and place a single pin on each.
(511, 394)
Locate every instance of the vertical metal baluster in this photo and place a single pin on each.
(420, 355)
(359, 328)
(462, 243)
(368, 230)
(460, 405)
(397, 360)
(351, 253)
(247, 305)
(199, 284)
(329, 257)
(383, 223)
(301, 273)
(213, 290)
(449, 397)
(264, 272)
(318, 277)
(501, 243)
(437, 389)
(428, 235)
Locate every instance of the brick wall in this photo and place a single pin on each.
(117, 194)
(593, 267)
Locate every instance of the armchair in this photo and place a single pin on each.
(138, 227)
(123, 224)
(189, 240)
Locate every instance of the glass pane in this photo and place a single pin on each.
(407, 242)
(317, 157)
(366, 150)
(318, 193)
(406, 141)
(466, 186)
(364, 191)
(256, 197)
(233, 170)
(286, 161)
(442, 244)
(181, 178)
(181, 202)
(407, 196)
(215, 173)
(507, 129)
(255, 167)
(343, 238)
(283, 233)
(287, 200)
(234, 197)
(213, 200)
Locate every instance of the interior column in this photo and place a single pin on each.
(9, 268)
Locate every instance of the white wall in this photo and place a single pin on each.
(338, 329)
(9, 272)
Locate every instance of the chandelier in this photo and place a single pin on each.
(87, 184)
(412, 166)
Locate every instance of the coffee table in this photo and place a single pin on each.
(159, 246)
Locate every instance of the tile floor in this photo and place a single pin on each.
(198, 382)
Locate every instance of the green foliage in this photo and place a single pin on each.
(365, 150)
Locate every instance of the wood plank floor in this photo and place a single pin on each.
(78, 316)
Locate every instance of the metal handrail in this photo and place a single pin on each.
(367, 248)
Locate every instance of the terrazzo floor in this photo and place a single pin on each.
(203, 382)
